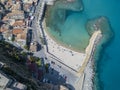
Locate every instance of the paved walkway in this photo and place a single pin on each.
(90, 49)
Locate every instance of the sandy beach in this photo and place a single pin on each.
(73, 59)
(80, 62)
(69, 57)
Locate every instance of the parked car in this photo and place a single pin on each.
(52, 62)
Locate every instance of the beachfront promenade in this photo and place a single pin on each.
(37, 27)
(72, 62)
(75, 58)
(89, 56)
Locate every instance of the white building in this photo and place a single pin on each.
(8, 84)
(4, 81)
(29, 1)
(18, 86)
(49, 2)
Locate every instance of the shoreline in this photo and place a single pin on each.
(89, 69)
(88, 61)
(91, 47)
(63, 53)
(89, 75)
(59, 42)
(70, 53)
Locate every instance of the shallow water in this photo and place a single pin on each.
(108, 64)
(68, 26)
(73, 33)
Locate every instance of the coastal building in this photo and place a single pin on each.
(6, 32)
(3, 1)
(17, 31)
(26, 7)
(29, 5)
(8, 21)
(29, 1)
(50, 2)
(15, 24)
(16, 6)
(20, 35)
(33, 47)
(17, 15)
(12, 4)
(8, 4)
(19, 24)
(7, 83)
(14, 30)
(18, 86)
(4, 81)
(4, 27)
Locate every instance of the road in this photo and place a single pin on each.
(35, 26)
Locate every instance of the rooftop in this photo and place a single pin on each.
(27, 6)
(19, 23)
(16, 6)
(21, 36)
(19, 86)
(8, 84)
(17, 31)
(16, 14)
(5, 18)
(4, 27)
(4, 81)
(33, 47)
(29, 1)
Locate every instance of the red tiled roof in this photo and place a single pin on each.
(5, 18)
(17, 31)
(19, 23)
(3, 29)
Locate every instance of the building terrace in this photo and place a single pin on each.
(16, 14)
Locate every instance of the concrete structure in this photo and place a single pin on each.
(33, 47)
(9, 84)
(4, 81)
(20, 35)
(19, 24)
(26, 7)
(29, 1)
(18, 86)
(17, 14)
(50, 2)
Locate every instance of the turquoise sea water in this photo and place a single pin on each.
(67, 25)
(108, 65)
